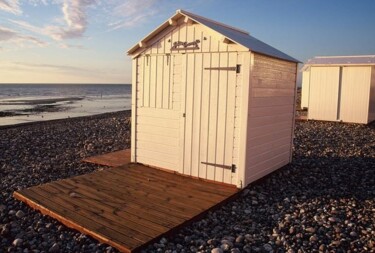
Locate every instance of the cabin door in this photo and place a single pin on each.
(208, 109)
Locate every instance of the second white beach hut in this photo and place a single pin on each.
(212, 102)
(339, 88)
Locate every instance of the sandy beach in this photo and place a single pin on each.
(323, 202)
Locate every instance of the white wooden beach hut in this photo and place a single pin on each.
(340, 88)
(212, 102)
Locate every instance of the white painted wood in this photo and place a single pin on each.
(161, 130)
(146, 81)
(324, 92)
(305, 89)
(213, 117)
(187, 115)
(153, 80)
(159, 81)
(135, 68)
(271, 116)
(222, 115)
(355, 90)
(188, 88)
(204, 115)
(246, 92)
(158, 147)
(230, 177)
(162, 122)
(196, 115)
(183, 60)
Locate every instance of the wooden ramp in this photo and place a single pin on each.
(113, 159)
(127, 207)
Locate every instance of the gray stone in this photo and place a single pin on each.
(353, 234)
(313, 238)
(240, 239)
(310, 230)
(55, 248)
(267, 247)
(217, 250)
(17, 242)
(20, 214)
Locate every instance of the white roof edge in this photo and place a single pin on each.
(186, 13)
(242, 38)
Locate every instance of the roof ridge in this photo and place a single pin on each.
(213, 21)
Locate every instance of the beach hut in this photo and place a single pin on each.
(211, 102)
(340, 88)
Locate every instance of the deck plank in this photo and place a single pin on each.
(126, 207)
(113, 159)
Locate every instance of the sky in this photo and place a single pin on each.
(85, 41)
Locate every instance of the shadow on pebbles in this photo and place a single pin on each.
(323, 202)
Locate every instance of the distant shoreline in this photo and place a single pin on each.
(65, 120)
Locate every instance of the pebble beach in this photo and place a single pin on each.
(323, 202)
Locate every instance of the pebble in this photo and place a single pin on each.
(20, 214)
(267, 247)
(309, 205)
(217, 250)
(55, 248)
(17, 242)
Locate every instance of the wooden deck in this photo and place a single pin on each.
(113, 159)
(127, 207)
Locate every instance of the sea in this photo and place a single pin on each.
(22, 103)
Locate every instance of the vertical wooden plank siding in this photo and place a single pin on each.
(140, 82)
(355, 90)
(196, 119)
(135, 68)
(171, 83)
(212, 123)
(221, 120)
(324, 92)
(160, 65)
(146, 80)
(209, 122)
(271, 116)
(244, 117)
(153, 80)
(205, 115)
(305, 89)
(230, 110)
(189, 103)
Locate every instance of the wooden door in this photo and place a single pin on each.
(324, 93)
(355, 90)
(208, 108)
(158, 111)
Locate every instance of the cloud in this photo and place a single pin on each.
(68, 46)
(133, 12)
(11, 6)
(75, 17)
(8, 35)
(56, 67)
(74, 21)
(28, 26)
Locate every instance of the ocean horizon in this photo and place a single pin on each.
(31, 102)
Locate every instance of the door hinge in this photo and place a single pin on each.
(234, 168)
(184, 115)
